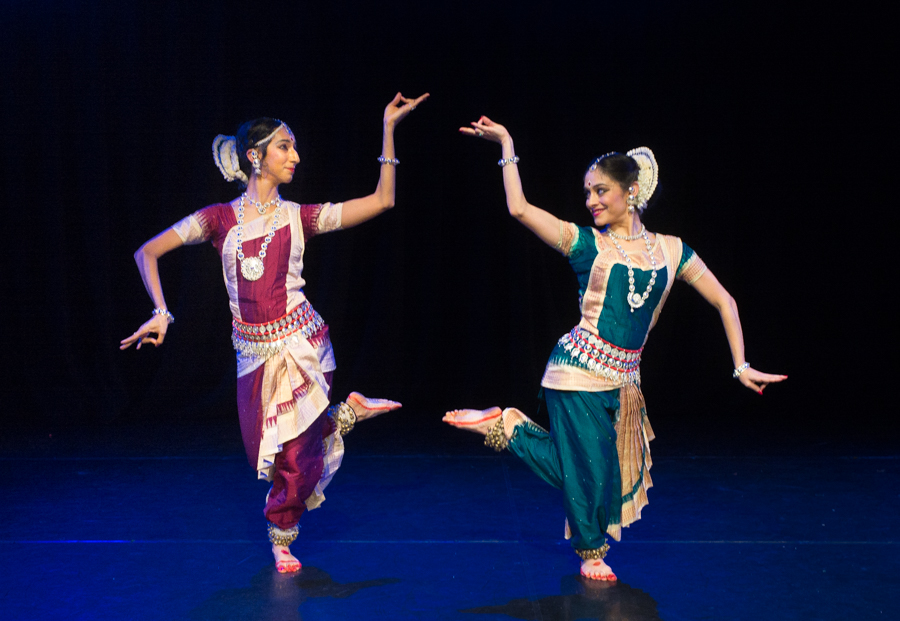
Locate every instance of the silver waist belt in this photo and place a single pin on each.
(602, 357)
(267, 339)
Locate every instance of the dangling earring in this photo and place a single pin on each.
(256, 165)
(630, 203)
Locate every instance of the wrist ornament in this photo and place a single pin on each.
(737, 372)
(510, 160)
(388, 160)
(162, 311)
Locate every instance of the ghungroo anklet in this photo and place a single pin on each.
(344, 417)
(598, 553)
(496, 436)
(281, 537)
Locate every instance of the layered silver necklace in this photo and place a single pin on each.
(252, 267)
(262, 208)
(634, 299)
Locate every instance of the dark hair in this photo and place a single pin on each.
(620, 168)
(248, 135)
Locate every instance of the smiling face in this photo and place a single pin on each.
(281, 157)
(606, 199)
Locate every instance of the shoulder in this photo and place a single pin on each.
(672, 244)
(586, 244)
(217, 214)
(688, 266)
(292, 206)
(587, 236)
(218, 208)
(671, 240)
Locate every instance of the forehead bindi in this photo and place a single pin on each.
(596, 178)
(283, 137)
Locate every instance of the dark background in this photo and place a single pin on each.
(770, 122)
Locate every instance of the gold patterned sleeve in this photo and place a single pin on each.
(691, 266)
(568, 233)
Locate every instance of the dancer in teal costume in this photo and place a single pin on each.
(597, 451)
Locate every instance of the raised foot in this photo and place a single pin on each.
(285, 562)
(479, 421)
(596, 569)
(365, 408)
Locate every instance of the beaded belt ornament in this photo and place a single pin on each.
(267, 339)
(603, 358)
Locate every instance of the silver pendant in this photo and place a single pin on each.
(634, 301)
(252, 268)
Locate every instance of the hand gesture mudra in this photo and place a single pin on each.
(152, 331)
(757, 381)
(400, 106)
(487, 129)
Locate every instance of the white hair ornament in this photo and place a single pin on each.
(225, 155)
(648, 175)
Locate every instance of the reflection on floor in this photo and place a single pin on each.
(172, 532)
(281, 594)
(581, 599)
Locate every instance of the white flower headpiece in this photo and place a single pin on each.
(648, 175)
(225, 155)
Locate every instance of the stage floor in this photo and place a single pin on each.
(107, 526)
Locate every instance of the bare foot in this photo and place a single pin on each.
(285, 562)
(597, 569)
(369, 408)
(479, 421)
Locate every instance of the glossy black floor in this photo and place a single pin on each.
(164, 523)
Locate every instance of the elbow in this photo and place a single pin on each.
(517, 210)
(140, 254)
(384, 199)
(727, 304)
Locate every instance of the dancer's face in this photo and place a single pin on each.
(605, 198)
(281, 157)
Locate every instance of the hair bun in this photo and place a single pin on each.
(648, 175)
(225, 155)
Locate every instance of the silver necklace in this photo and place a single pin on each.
(252, 267)
(262, 208)
(634, 299)
(627, 237)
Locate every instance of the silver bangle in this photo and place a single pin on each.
(511, 160)
(388, 160)
(740, 369)
(162, 311)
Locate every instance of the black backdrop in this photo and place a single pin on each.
(767, 120)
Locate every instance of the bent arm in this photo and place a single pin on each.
(713, 292)
(542, 223)
(147, 257)
(359, 210)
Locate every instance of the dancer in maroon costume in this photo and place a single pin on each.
(284, 357)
